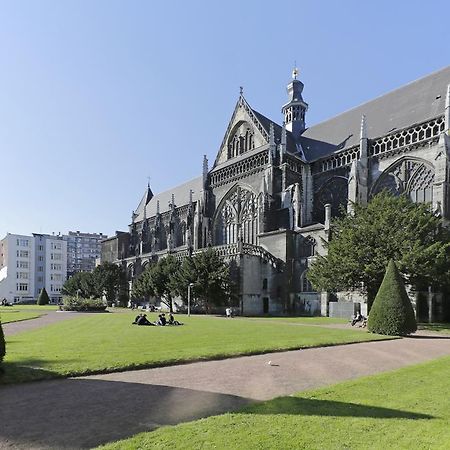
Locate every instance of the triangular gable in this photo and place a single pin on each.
(242, 113)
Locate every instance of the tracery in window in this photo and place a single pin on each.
(241, 141)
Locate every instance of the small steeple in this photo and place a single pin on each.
(205, 170)
(272, 145)
(283, 143)
(447, 110)
(363, 133)
(172, 204)
(294, 111)
(157, 207)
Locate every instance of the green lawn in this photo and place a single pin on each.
(405, 409)
(108, 342)
(29, 308)
(441, 327)
(300, 320)
(11, 315)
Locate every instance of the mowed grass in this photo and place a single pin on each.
(441, 327)
(405, 409)
(300, 320)
(33, 307)
(101, 343)
(7, 316)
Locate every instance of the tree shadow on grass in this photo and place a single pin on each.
(330, 408)
(27, 370)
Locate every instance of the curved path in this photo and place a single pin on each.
(47, 318)
(88, 411)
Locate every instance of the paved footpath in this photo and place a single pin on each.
(47, 318)
(88, 411)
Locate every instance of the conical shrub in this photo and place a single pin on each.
(43, 298)
(392, 313)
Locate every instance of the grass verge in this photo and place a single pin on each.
(404, 409)
(9, 316)
(102, 343)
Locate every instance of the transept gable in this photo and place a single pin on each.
(245, 132)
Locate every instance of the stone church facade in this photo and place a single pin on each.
(267, 200)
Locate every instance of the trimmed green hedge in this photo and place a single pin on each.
(83, 304)
(392, 313)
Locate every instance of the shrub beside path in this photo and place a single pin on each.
(88, 411)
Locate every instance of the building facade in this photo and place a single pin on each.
(83, 249)
(267, 202)
(30, 263)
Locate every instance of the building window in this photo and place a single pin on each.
(22, 275)
(40, 269)
(22, 242)
(22, 265)
(22, 287)
(23, 253)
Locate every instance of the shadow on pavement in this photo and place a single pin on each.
(312, 407)
(80, 413)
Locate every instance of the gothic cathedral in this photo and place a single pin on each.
(267, 201)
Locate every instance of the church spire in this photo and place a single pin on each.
(294, 111)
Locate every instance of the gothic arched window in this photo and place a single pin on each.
(413, 177)
(334, 192)
(241, 140)
(237, 215)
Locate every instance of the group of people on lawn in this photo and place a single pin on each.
(141, 319)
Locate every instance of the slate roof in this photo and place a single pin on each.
(181, 193)
(148, 195)
(413, 103)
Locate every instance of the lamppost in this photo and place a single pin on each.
(190, 286)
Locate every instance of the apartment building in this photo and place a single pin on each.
(82, 251)
(30, 263)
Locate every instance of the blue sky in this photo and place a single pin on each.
(95, 96)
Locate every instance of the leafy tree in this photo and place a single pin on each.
(2, 344)
(392, 313)
(362, 244)
(210, 276)
(158, 280)
(110, 280)
(82, 284)
(43, 298)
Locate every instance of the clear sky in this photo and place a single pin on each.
(96, 96)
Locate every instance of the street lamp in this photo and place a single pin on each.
(190, 286)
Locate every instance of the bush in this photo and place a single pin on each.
(392, 313)
(2, 344)
(83, 304)
(43, 298)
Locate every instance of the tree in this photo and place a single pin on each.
(43, 298)
(158, 281)
(2, 344)
(392, 313)
(362, 243)
(82, 284)
(110, 280)
(210, 276)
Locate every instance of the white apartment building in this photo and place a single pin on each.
(17, 268)
(29, 263)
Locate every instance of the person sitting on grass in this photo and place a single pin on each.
(356, 318)
(172, 320)
(162, 320)
(142, 320)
